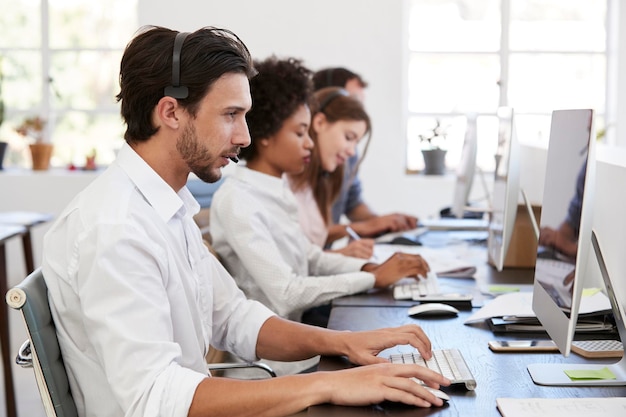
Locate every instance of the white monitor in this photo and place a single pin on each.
(607, 257)
(565, 229)
(505, 189)
(466, 169)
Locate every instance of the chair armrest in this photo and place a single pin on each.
(241, 365)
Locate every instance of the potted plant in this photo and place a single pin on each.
(32, 128)
(434, 154)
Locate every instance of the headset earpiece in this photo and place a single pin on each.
(176, 90)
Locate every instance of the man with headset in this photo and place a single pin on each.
(136, 296)
(350, 201)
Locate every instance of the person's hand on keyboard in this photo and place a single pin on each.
(398, 266)
(384, 382)
(363, 347)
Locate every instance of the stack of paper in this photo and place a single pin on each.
(520, 305)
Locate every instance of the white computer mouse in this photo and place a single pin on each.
(432, 309)
(437, 393)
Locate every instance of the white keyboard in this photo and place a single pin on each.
(426, 289)
(448, 362)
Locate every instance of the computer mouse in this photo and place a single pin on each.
(437, 393)
(405, 240)
(432, 309)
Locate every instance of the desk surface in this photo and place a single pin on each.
(497, 374)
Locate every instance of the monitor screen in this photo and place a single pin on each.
(466, 168)
(606, 261)
(565, 225)
(505, 189)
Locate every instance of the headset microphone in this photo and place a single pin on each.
(234, 159)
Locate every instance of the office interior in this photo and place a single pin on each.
(368, 36)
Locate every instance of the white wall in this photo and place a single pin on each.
(363, 35)
(368, 37)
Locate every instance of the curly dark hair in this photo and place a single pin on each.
(278, 89)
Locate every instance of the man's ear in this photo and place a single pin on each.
(168, 112)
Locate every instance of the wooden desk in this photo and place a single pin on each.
(497, 374)
(6, 233)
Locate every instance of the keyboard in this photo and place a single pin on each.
(426, 290)
(598, 348)
(448, 362)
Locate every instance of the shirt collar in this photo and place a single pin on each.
(263, 181)
(154, 189)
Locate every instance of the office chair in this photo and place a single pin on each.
(42, 350)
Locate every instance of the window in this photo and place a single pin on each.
(472, 56)
(60, 60)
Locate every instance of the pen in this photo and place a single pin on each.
(353, 235)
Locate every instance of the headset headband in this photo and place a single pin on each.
(327, 100)
(176, 90)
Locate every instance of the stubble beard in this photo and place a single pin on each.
(197, 157)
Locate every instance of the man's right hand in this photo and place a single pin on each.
(373, 384)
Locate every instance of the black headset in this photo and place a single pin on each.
(176, 90)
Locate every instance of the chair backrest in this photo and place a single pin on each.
(31, 298)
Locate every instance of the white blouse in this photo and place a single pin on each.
(256, 232)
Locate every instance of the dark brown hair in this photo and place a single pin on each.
(146, 69)
(335, 77)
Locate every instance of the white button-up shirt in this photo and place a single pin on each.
(256, 231)
(137, 297)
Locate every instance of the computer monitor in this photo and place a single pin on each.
(565, 232)
(466, 169)
(505, 189)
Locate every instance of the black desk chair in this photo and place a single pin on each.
(42, 350)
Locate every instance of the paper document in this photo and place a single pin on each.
(520, 304)
(570, 407)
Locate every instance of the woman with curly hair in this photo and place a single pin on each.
(254, 214)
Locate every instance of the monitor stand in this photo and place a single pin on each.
(554, 373)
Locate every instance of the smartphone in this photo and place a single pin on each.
(523, 346)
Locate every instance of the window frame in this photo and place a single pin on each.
(504, 54)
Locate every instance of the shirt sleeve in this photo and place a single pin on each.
(252, 241)
(128, 313)
(248, 315)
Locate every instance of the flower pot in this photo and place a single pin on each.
(3, 148)
(434, 161)
(41, 154)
